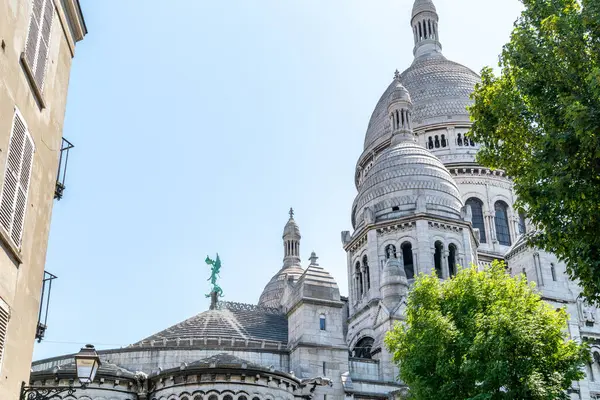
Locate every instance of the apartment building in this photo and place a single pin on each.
(37, 46)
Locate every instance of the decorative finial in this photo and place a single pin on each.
(397, 75)
(216, 290)
(291, 212)
(313, 258)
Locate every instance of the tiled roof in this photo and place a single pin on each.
(68, 370)
(230, 321)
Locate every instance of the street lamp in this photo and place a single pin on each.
(87, 363)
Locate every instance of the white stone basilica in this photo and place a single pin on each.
(423, 204)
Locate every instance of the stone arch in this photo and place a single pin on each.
(363, 347)
(198, 395)
(361, 334)
(173, 397)
(408, 259)
(212, 395)
(227, 395)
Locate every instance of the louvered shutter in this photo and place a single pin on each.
(38, 39)
(3, 328)
(17, 177)
(34, 33)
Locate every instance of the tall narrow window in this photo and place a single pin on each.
(553, 271)
(477, 215)
(324, 368)
(459, 140)
(439, 247)
(452, 259)
(522, 226)
(443, 140)
(4, 316)
(502, 229)
(407, 257)
(359, 288)
(38, 39)
(430, 143)
(366, 271)
(322, 322)
(17, 174)
(437, 142)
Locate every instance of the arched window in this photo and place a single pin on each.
(322, 322)
(213, 397)
(459, 139)
(390, 251)
(553, 271)
(502, 229)
(363, 347)
(437, 142)
(227, 397)
(471, 142)
(439, 247)
(477, 214)
(186, 398)
(199, 397)
(242, 397)
(367, 274)
(407, 257)
(443, 140)
(522, 225)
(430, 143)
(452, 259)
(429, 26)
(359, 280)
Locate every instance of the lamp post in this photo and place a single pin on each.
(87, 363)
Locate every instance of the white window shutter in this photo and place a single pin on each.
(17, 175)
(34, 32)
(42, 56)
(4, 316)
(38, 39)
(22, 191)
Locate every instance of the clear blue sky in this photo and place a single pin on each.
(197, 124)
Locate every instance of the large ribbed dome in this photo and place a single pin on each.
(401, 177)
(439, 90)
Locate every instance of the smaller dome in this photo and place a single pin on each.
(273, 292)
(423, 5)
(400, 93)
(394, 284)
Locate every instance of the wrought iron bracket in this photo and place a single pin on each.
(44, 392)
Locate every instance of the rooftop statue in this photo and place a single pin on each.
(214, 274)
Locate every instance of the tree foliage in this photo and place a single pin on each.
(484, 335)
(540, 122)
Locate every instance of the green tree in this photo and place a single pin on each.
(484, 335)
(540, 122)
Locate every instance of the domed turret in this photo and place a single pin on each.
(291, 270)
(424, 22)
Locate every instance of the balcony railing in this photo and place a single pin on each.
(44, 304)
(62, 168)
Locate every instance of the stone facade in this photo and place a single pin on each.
(423, 204)
(35, 67)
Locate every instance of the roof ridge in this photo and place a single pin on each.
(235, 306)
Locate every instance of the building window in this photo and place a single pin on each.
(17, 174)
(502, 230)
(407, 257)
(443, 140)
(477, 217)
(522, 225)
(459, 140)
(4, 317)
(359, 280)
(366, 271)
(430, 143)
(324, 368)
(439, 247)
(38, 40)
(390, 251)
(227, 397)
(363, 348)
(322, 322)
(452, 259)
(553, 271)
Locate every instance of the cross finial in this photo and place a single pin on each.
(291, 212)
(397, 75)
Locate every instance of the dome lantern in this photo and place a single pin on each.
(424, 23)
(400, 112)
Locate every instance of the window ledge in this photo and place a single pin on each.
(34, 86)
(12, 249)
